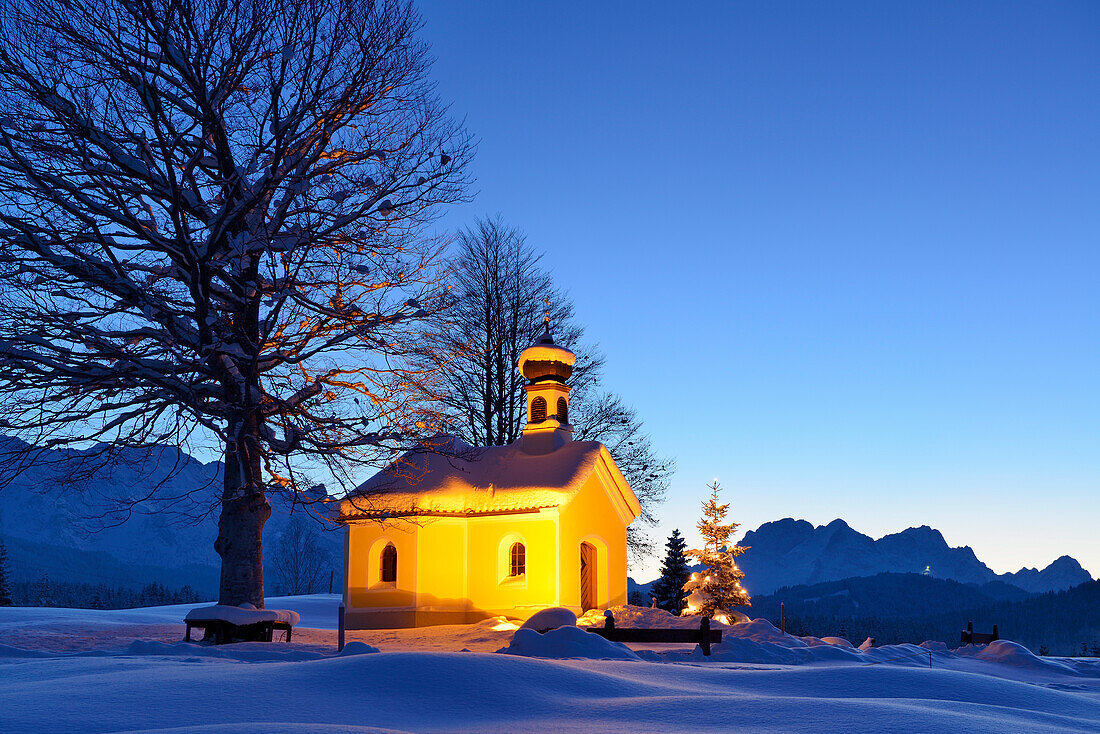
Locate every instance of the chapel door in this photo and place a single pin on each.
(588, 577)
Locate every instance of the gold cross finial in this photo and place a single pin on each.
(547, 319)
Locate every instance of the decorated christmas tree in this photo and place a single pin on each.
(669, 588)
(716, 590)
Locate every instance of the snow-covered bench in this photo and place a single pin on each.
(704, 636)
(223, 623)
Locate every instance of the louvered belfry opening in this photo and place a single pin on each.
(538, 409)
(563, 410)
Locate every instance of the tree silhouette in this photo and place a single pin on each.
(669, 588)
(211, 220)
(500, 290)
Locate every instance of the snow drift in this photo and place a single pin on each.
(566, 642)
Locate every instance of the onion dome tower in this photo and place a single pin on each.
(546, 366)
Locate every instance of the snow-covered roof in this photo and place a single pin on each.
(546, 352)
(458, 479)
(544, 359)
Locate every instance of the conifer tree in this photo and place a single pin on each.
(669, 588)
(716, 590)
(5, 585)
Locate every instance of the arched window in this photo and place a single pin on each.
(518, 560)
(388, 572)
(563, 410)
(538, 409)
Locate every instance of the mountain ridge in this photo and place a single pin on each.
(45, 524)
(789, 552)
(152, 546)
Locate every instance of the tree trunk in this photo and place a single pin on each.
(245, 509)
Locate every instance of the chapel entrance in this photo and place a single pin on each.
(588, 577)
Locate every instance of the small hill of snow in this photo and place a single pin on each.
(566, 642)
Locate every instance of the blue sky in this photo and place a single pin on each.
(845, 257)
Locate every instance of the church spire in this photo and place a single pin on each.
(546, 366)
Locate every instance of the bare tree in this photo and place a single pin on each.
(604, 417)
(500, 289)
(298, 561)
(211, 233)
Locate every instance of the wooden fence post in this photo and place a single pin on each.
(340, 635)
(704, 632)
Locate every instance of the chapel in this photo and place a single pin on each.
(453, 534)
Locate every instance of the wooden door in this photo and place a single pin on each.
(588, 577)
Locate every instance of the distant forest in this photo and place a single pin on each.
(46, 593)
(895, 608)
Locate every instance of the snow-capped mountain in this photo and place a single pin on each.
(1063, 573)
(789, 552)
(49, 529)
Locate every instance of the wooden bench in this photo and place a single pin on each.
(970, 637)
(704, 636)
(221, 624)
(222, 632)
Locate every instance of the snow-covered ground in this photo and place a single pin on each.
(91, 671)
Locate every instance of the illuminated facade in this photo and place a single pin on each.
(454, 534)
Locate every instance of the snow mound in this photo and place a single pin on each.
(741, 650)
(566, 642)
(761, 630)
(1011, 653)
(357, 648)
(244, 614)
(550, 618)
(759, 641)
(905, 654)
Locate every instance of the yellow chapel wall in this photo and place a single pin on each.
(456, 564)
(441, 569)
(592, 517)
(363, 587)
(490, 541)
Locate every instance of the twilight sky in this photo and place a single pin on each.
(843, 257)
